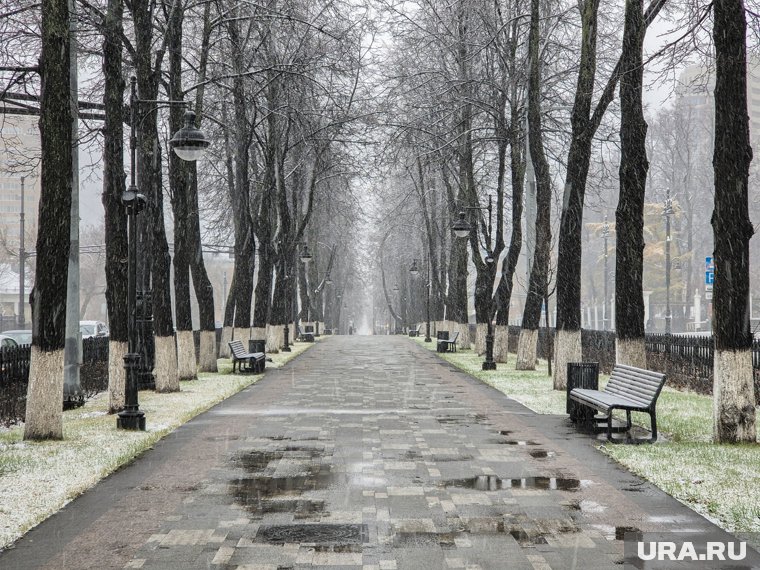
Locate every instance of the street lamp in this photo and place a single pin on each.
(306, 257)
(414, 270)
(462, 229)
(666, 213)
(188, 143)
(605, 235)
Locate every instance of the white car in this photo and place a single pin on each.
(91, 329)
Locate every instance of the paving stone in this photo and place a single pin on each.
(357, 462)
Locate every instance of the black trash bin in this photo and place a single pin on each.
(257, 345)
(581, 375)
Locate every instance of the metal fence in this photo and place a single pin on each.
(14, 376)
(686, 360)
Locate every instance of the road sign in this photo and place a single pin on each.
(708, 295)
(709, 271)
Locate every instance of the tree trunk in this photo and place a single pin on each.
(179, 184)
(538, 282)
(509, 265)
(115, 215)
(629, 264)
(733, 388)
(567, 345)
(245, 245)
(44, 401)
(154, 259)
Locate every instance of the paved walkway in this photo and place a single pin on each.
(365, 452)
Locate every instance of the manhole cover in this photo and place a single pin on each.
(320, 534)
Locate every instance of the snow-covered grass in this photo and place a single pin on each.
(717, 480)
(38, 478)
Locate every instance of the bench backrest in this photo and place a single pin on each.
(455, 337)
(237, 349)
(641, 386)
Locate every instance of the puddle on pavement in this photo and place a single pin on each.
(541, 453)
(424, 539)
(615, 532)
(332, 535)
(505, 432)
(586, 506)
(463, 419)
(447, 458)
(527, 539)
(258, 460)
(517, 442)
(494, 483)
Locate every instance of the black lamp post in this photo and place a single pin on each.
(667, 212)
(605, 235)
(414, 270)
(189, 143)
(462, 229)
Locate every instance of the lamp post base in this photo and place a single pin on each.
(131, 420)
(286, 334)
(489, 364)
(428, 339)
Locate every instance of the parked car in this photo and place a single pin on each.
(20, 336)
(7, 342)
(91, 329)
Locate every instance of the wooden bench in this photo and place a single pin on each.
(448, 344)
(305, 335)
(415, 332)
(630, 389)
(246, 361)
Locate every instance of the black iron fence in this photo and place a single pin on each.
(686, 360)
(14, 376)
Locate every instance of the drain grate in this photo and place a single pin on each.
(320, 534)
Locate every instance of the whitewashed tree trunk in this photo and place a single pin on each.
(258, 333)
(165, 365)
(207, 356)
(733, 396)
(567, 348)
(186, 365)
(501, 343)
(44, 400)
(224, 348)
(275, 338)
(117, 375)
(464, 341)
(242, 334)
(481, 330)
(527, 346)
(631, 352)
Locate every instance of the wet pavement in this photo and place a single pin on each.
(364, 452)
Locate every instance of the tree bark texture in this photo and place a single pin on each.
(179, 184)
(115, 215)
(539, 274)
(569, 256)
(44, 408)
(734, 398)
(204, 291)
(629, 217)
(245, 245)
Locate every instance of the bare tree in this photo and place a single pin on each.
(733, 385)
(44, 410)
(629, 217)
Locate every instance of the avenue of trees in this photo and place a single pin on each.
(361, 132)
(533, 107)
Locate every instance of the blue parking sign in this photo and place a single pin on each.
(709, 277)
